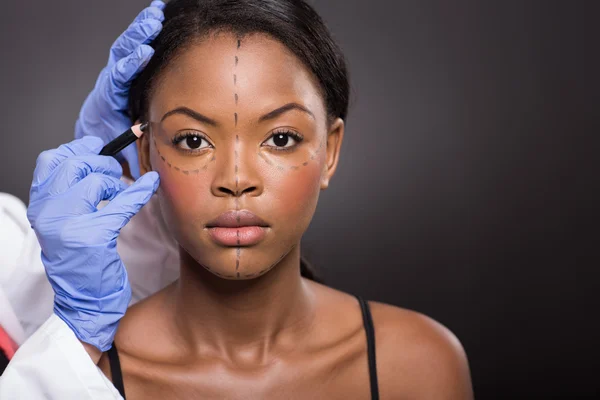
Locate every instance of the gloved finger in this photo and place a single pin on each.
(48, 160)
(126, 69)
(154, 10)
(131, 200)
(95, 188)
(75, 169)
(130, 153)
(158, 4)
(137, 33)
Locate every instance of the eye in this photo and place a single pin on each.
(284, 140)
(190, 141)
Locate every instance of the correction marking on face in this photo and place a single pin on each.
(179, 169)
(237, 274)
(237, 139)
(280, 167)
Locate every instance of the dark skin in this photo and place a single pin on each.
(273, 334)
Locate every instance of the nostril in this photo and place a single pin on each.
(238, 192)
(227, 191)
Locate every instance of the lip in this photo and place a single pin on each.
(237, 228)
(237, 219)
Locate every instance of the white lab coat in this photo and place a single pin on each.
(51, 363)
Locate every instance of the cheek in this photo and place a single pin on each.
(296, 191)
(181, 196)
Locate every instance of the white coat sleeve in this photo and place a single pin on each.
(145, 245)
(26, 297)
(53, 364)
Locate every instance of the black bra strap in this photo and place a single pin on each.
(370, 330)
(117, 376)
(115, 369)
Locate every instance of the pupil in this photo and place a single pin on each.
(193, 142)
(280, 140)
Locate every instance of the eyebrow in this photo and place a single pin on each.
(191, 113)
(270, 115)
(283, 109)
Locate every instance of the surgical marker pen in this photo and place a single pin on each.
(125, 139)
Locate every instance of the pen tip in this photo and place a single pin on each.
(143, 126)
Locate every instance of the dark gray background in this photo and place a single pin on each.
(465, 184)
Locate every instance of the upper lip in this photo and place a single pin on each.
(236, 219)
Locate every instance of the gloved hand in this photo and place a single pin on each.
(78, 241)
(104, 112)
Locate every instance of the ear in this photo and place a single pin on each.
(143, 147)
(335, 136)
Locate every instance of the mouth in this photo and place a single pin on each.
(237, 228)
(237, 219)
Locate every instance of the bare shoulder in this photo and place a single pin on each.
(418, 357)
(144, 325)
(139, 318)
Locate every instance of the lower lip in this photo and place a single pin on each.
(242, 236)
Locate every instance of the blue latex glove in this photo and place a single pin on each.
(79, 242)
(104, 112)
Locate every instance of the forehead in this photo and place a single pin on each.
(261, 71)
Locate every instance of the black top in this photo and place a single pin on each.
(3, 362)
(117, 377)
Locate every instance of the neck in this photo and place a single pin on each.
(225, 316)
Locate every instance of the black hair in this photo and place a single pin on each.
(294, 23)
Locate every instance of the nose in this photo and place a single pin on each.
(237, 172)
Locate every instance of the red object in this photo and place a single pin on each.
(7, 345)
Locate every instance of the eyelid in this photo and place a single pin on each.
(285, 131)
(297, 136)
(181, 135)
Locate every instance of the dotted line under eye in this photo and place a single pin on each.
(205, 166)
(179, 169)
(280, 167)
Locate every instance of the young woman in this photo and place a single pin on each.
(246, 102)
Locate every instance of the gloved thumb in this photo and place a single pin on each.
(129, 202)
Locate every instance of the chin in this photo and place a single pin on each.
(234, 263)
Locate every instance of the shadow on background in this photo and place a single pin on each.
(465, 189)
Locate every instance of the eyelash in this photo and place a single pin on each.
(294, 135)
(184, 135)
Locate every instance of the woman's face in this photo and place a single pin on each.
(239, 127)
